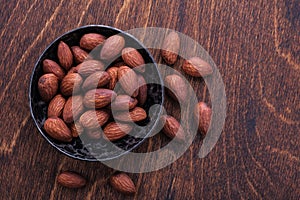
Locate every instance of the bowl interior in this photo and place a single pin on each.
(91, 150)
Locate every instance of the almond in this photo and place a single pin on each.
(56, 106)
(71, 84)
(176, 88)
(93, 119)
(90, 40)
(112, 47)
(113, 73)
(73, 108)
(143, 90)
(49, 66)
(197, 67)
(71, 180)
(79, 54)
(89, 67)
(123, 102)
(133, 59)
(97, 79)
(48, 86)
(64, 55)
(170, 48)
(57, 129)
(128, 80)
(95, 134)
(172, 128)
(134, 115)
(122, 183)
(76, 129)
(74, 69)
(98, 98)
(114, 131)
(204, 116)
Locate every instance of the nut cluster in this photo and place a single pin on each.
(81, 95)
(177, 89)
(81, 92)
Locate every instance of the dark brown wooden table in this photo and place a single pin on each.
(256, 46)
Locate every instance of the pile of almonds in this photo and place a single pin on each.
(80, 91)
(82, 81)
(193, 66)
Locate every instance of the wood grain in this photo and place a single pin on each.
(256, 46)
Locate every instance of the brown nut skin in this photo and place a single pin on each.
(64, 55)
(170, 48)
(98, 98)
(122, 183)
(172, 128)
(197, 67)
(57, 129)
(204, 116)
(50, 66)
(73, 70)
(133, 59)
(56, 106)
(135, 115)
(112, 47)
(71, 180)
(89, 67)
(71, 84)
(95, 134)
(176, 88)
(96, 80)
(128, 80)
(114, 131)
(94, 119)
(90, 41)
(73, 108)
(48, 86)
(76, 129)
(113, 73)
(123, 102)
(79, 54)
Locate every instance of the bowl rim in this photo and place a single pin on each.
(30, 90)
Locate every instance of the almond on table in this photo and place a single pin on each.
(122, 183)
(71, 180)
(204, 116)
(170, 48)
(197, 67)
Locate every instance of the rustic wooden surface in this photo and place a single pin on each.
(256, 46)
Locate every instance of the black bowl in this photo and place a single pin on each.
(84, 149)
